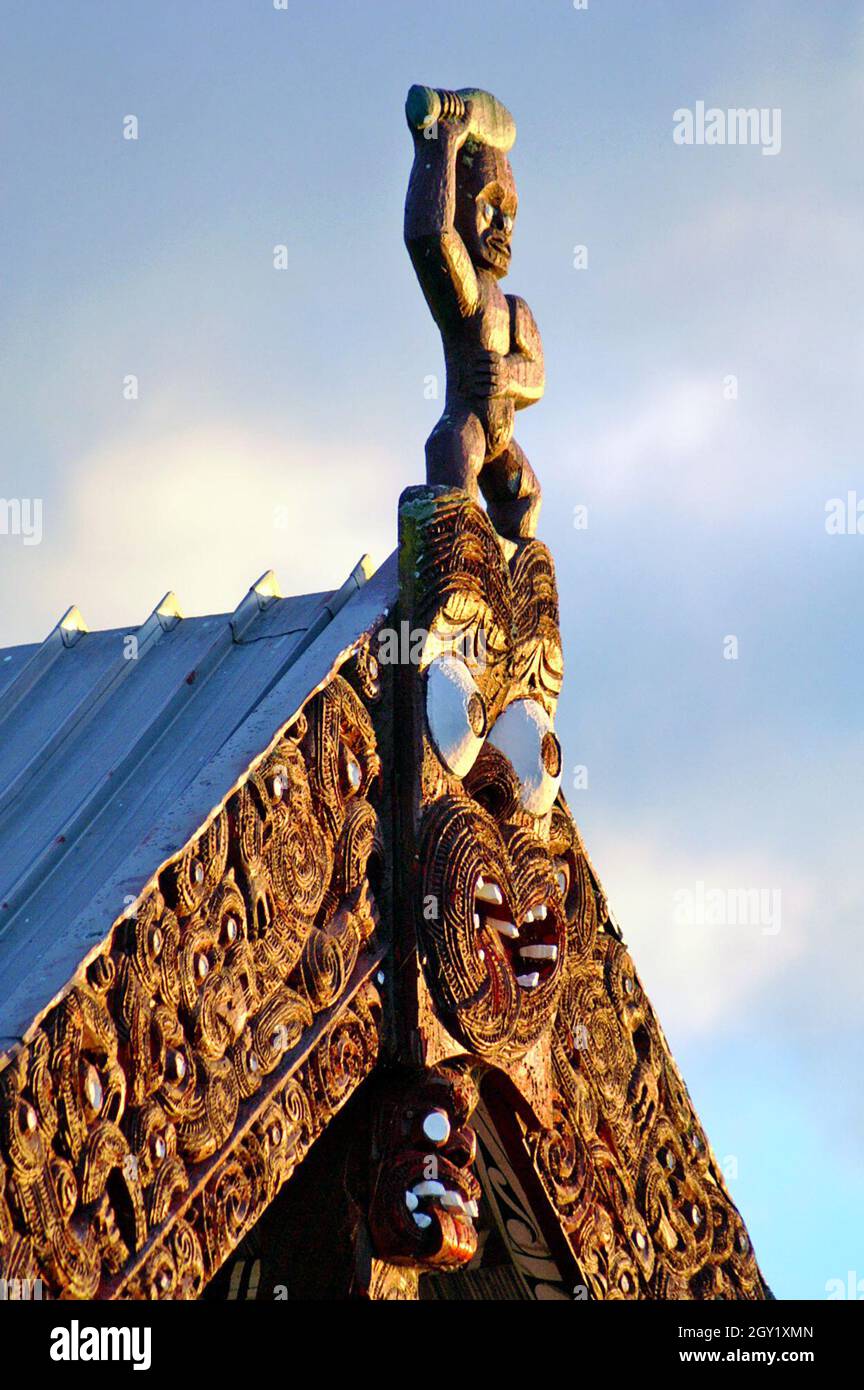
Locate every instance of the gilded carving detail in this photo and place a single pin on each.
(521, 968)
(145, 1075)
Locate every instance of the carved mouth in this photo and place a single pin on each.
(531, 945)
(430, 1195)
(450, 1185)
(498, 248)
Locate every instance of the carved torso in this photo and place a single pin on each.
(487, 329)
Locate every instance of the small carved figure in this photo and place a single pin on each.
(459, 216)
(424, 1193)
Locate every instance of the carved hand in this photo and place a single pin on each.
(448, 130)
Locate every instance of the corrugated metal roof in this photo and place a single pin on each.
(116, 747)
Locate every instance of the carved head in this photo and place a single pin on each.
(493, 925)
(486, 206)
(491, 903)
(424, 1191)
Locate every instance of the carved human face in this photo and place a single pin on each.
(492, 911)
(424, 1191)
(486, 209)
(493, 924)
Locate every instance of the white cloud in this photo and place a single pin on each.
(664, 427)
(202, 511)
(702, 979)
(678, 446)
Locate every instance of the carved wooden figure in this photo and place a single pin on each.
(459, 217)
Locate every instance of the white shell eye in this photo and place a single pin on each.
(487, 212)
(524, 734)
(455, 713)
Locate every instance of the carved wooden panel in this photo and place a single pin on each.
(514, 968)
(158, 1107)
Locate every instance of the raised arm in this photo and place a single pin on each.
(437, 251)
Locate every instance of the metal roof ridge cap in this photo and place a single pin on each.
(72, 626)
(163, 618)
(168, 611)
(259, 597)
(65, 633)
(360, 575)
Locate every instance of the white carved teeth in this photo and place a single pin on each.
(505, 928)
(529, 915)
(411, 1202)
(422, 1220)
(431, 1188)
(528, 982)
(489, 892)
(477, 923)
(540, 912)
(454, 1200)
(472, 1209)
(540, 952)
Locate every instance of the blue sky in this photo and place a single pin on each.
(280, 413)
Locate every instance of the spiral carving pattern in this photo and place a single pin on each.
(138, 1080)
